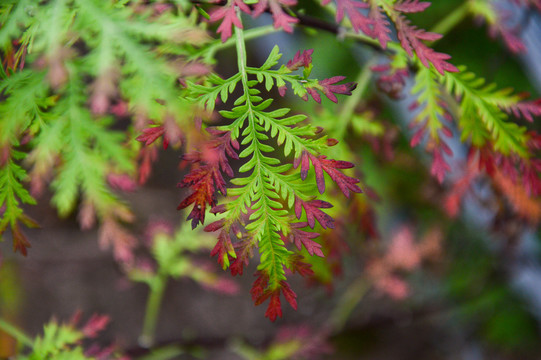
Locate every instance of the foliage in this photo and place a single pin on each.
(91, 88)
(63, 341)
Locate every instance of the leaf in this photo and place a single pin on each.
(331, 167)
(229, 17)
(411, 39)
(352, 9)
(300, 238)
(411, 6)
(313, 213)
(272, 59)
(303, 60)
(152, 134)
(280, 18)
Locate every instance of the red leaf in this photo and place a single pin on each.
(303, 59)
(260, 293)
(95, 325)
(300, 237)
(331, 167)
(202, 181)
(214, 226)
(244, 250)
(207, 179)
(329, 89)
(313, 213)
(411, 39)
(223, 248)
(299, 266)
(289, 294)
(147, 156)
(152, 134)
(274, 309)
(258, 288)
(20, 242)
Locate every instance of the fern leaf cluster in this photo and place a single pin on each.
(270, 191)
(84, 56)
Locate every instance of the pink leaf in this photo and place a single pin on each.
(351, 8)
(411, 6)
(229, 16)
(381, 28)
(439, 166)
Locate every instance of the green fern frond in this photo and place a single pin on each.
(12, 191)
(480, 107)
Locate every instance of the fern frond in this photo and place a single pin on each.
(480, 102)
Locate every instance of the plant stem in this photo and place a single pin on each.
(157, 289)
(241, 54)
(248, 35)
(450, 21)
(347, 303)
(14, 332)
(349, 106)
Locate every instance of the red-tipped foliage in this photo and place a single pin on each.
(303, 60)
(20, 242)
(229, 16)
(244, 250)
(313, 213)
(328, 88)
(296, 265)
(411, 6)
(223, 248)
(381, 26)
(152, 134)
(280, 18)
(274, 309)
(203, 181)
(391, 81)
(146, 157)
(352, 9)
(526, 109)
(439, 166)
(300, 238)
(331, 167)
(206, 179)
(412, 38)
(95, 325)
(510, 34)
(260, 294)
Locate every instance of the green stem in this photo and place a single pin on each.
(241, 57)
(450, 21)
(349, 106)
(248, 35)
(348, 302)
(157, 289)
(14, 332)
